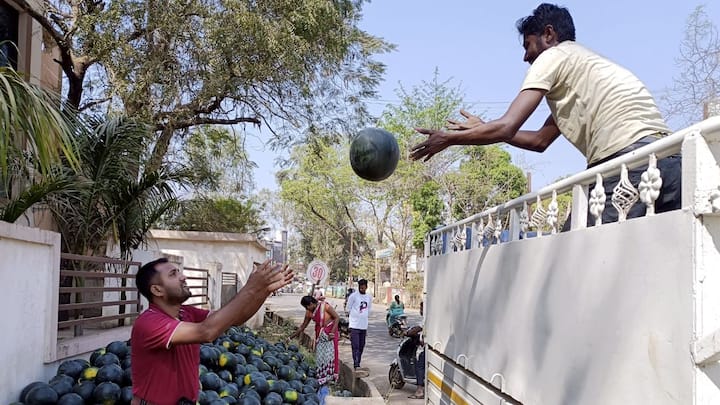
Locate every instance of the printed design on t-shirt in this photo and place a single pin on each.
(363, 306)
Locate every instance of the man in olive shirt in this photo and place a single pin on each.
(600, 107)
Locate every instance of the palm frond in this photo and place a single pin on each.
(32, 119)
(36, 193)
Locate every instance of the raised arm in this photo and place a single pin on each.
(503, 129)
(537, 141)
(301, 329)
(262, 282)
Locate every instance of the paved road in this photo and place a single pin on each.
(379, 347)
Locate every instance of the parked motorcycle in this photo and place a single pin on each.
(344, 328)
(402, 368)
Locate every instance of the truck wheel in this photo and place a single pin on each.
(396, 380)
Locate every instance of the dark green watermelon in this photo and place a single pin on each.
(211, 381)
(296, 385)
(72, 368)
(249, 400)
(105, 359)
(110, 373)
(126, 363)
(62, 387)
(210, 396)
(62, 377)
(85, 389)
(71, 399)
(28, 387)
(41, 395)
(273, 398)
(208, 356)
(97, 353)
(225, 375)
(106, 392)
(229, 390)
(126, 395)
(374, 154)
(228, 361)
(127, 377)
(118, 348)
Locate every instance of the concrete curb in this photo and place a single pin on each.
(364, 391)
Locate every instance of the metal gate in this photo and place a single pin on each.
(199, 281)
(229, 287)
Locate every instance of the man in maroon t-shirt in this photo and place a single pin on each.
(165, 338)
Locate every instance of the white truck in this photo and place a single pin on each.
(619, 313)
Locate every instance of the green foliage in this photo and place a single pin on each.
(322, 191)
(427, 211)
(114, 196)
(300, 68)
(217, 215)
(220, 162)
(329, 199)
(35, 134)
(486, 177)
(31, 114)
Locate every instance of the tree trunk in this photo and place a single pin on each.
(160, 149)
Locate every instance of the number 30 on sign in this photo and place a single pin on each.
(317, 271)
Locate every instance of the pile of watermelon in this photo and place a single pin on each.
(240, 367)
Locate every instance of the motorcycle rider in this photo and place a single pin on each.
(396, 309)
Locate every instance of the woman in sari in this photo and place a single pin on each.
(326, 319)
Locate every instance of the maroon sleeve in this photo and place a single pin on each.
(155, 331)
(194, 314)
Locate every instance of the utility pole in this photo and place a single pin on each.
(350, 258)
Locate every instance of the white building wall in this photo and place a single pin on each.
(28, 273)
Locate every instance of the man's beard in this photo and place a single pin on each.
(180, 298)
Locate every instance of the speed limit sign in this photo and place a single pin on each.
(317, 271)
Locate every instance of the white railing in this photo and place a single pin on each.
(513, 220)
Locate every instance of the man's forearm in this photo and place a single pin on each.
(241, 308)
(486, 134)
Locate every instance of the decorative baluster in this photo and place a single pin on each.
(553, 210)
(538, 217)
(650, 184)
(597, 199)
(438, 244)
(498, 229)
(489, 229)
(460, 237)
(624, 195)
(524, 220)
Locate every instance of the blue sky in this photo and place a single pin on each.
(474, 43)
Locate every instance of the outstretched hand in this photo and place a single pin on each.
(270, 278)
(437, 142)
(471, 121)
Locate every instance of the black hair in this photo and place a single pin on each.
(145, 275)
(362, 282)
(307, 300)
(548, 14)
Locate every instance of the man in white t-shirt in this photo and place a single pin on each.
(600, 107)
(358, 305)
